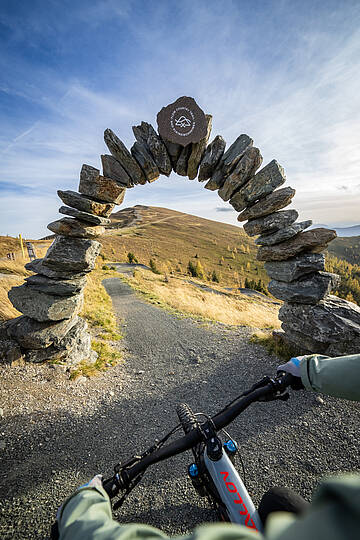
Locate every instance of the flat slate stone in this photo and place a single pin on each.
(212, 156)
(72, 254)
(143, 157)
(80, 202)
(98, 187)
(113, 169)
(182, 122)
(57, 287)
(197, 151)
(315, 241)
(228, 162)
(32, 334)
(263, 183)
(308, 290)
(146, 134)
(269, 204)
(182, 162)
(332, 320)
(296, 267)
(174, 151)
(84, 216)
(122, 155)
(271, 223)
(244, 170)
(44, 307)
(75, 228)
(283, 234)
(38, 267)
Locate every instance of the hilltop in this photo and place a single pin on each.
(172, 239)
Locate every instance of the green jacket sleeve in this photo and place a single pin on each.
(338, 376)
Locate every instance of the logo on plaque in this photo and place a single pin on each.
(182, 122)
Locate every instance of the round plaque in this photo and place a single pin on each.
(182, 122)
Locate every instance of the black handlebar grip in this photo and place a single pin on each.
(54, 533)
(289, 380)
(111, 487)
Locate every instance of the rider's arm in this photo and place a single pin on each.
(87, 514)
(337, 376)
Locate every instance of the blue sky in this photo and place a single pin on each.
(284, 72)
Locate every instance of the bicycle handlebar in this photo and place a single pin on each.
(262, 391)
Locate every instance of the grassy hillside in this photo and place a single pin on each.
(346, 248)
(172, 239)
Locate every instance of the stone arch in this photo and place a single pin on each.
(50, 300)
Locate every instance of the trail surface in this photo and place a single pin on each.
(57, 434)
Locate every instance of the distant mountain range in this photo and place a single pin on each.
(354, 230)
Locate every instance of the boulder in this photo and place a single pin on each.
(173, 150)
(10, 352)
(244, 170)
(98, 187)
(44, 307)
(295, 267)
(228, 162)
(123, 156)
(32, 334)
(73, 227)
(66, 287)
(315, 241)
(80, 202)
(146, 134)
(84, 216)
(271, 223)
(114, 170)
(269, 204)
(261, 184)
(283, 234)
(309, 290)
(331, 321)
(38, 267)
(211, 158)
(182, 162)
(197, 151)
(142, 155)
(302, 343)
(72, 254)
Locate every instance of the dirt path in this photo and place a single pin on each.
(56, 434)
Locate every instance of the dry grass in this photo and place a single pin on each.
(186, 298)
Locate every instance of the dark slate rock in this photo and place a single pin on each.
(114, 170)
(98, 187)
(171, 123)
(73, 227)
(174, 151)
(182, 162)
(84, 216)
(38, 267)
(72, 254)
(66, 287)
(295, 268)
(197, 151)
(263, 183)
(269, 204)
(122, 155)
(283, 234)
(10, 353)
(80, 202)
(308, 290)
(315, 241)
(146, 134)
(244, 170)
(271, 223)
(211, 159)
(331, 321)
(302, 343)
(143, 157)
(32, 334)
(228, 162)
(44, 307)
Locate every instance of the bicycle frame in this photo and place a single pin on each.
(233, 492)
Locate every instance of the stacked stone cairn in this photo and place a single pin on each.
(50, 328)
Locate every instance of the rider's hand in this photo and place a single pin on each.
(293, 367)
(94, 482)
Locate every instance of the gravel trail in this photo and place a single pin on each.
(56, 434)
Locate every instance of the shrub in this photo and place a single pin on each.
(131, 258)
(105, 267)
(214, 277)
(153, 266)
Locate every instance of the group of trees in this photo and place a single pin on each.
(349, 287)
(256, 285)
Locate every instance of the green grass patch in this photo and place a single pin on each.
(108, 357)
(274, 346)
